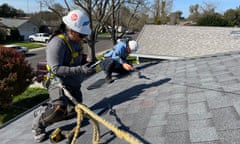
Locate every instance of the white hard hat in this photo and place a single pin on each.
(118, 40)
(77, 21)
(133, 45)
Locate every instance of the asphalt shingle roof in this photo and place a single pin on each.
(187, 41)
(187, 101)
(13, 22)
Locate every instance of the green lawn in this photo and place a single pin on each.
(29, 45)
(104, 35)
(21, 103)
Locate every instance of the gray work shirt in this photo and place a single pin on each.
(58, 58)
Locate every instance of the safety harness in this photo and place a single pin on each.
(74, 55)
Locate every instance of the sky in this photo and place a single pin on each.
(221, 5)
(181, 5)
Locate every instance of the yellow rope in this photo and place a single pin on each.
(96, 135)
(83, 110)
(119, 133)
(79, 120)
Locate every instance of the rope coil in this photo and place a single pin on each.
(83, 111)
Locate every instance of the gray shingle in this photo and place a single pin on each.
(203, 134)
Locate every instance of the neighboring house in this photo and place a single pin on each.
(2, 25)
(25, 27)
(50, 26)
(3, 31)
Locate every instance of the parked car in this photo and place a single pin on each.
(124, 38)
(17, 48)
(129, 32)
(39, 37)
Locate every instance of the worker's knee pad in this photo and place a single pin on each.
(54, 113)
(55, 93)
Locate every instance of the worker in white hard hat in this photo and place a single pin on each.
(116, 59)
(64, 55)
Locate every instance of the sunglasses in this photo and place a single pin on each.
(82, 35)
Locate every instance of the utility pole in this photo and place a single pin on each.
(41, 5)
(27, 6)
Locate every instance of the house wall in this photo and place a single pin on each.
(27, 29)
(2, 34)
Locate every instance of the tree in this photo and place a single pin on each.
(136, 10)
(105, 13)
(162, 10)
(99, 12)
(233, 16)
(194, 12)
(156, 11)
(102, 13)
(15, 75)
(96, 10)
(212, 20)
(45, 20)
(208, 8)
(58, 9)
(9, 11)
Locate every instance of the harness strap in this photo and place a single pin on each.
(73, 54)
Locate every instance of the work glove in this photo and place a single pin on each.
(87, 70)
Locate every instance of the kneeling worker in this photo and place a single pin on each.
(64, 58)
(116, 59)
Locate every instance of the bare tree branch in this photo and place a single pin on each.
(55, 11)
(66, 3)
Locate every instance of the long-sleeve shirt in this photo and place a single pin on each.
(118, 53)
(58, 58)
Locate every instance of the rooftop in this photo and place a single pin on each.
(194, 100)
(12, 22)
(176, 42)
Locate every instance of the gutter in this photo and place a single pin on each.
(160, 57)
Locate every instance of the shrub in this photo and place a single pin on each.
(2, 34)
(212, 20)
(15, 75)
(15, 34)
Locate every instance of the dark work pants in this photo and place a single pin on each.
(109, 66)
(59, 108)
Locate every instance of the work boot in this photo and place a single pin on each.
(108, 79)
(40, 136)
(38, 130)
(37, 126)
(39, 133)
